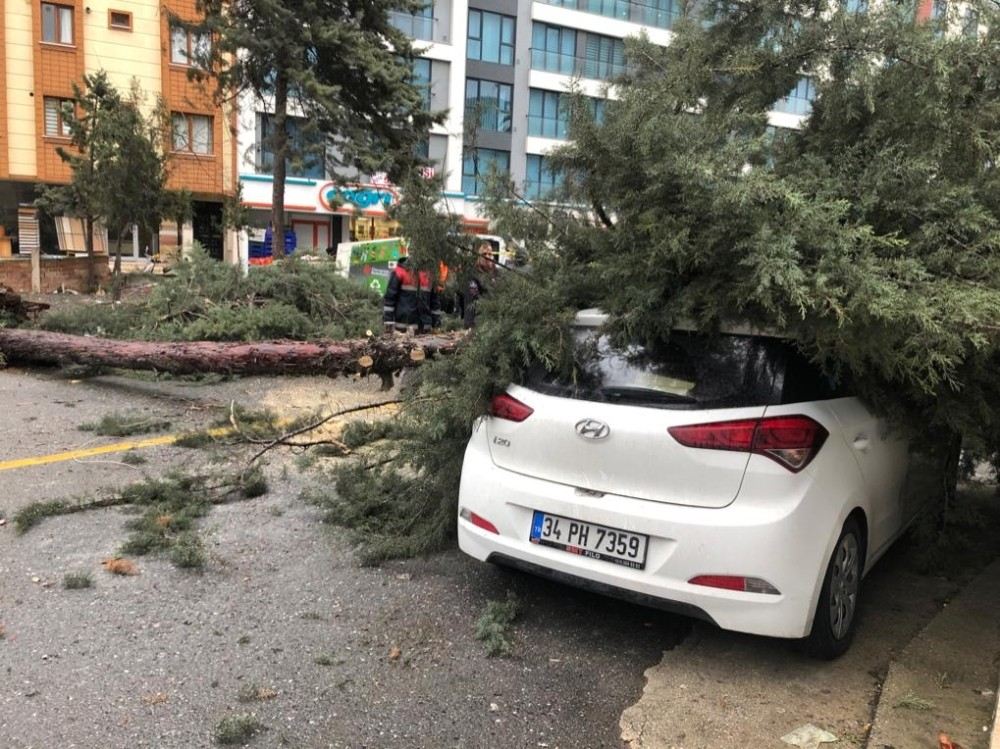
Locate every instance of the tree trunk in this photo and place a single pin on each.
(116, 273)
(88, 243)
(279, 147)
(377, 356)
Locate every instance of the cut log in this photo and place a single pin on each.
(377, 356)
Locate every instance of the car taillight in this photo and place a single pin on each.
(735, 582)
(505, 407)
(790, 441)
(478, 520)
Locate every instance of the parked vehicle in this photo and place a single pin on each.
(723, 477)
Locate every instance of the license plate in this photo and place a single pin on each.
(589, 540)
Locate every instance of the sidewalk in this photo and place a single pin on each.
(945, 680)
(720, 690)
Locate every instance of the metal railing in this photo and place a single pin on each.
(661, 16)
(416, 27)
(585, 67)
(548, 127)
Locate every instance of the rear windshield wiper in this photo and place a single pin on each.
(644, 394)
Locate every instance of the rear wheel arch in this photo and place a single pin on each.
(858, 516)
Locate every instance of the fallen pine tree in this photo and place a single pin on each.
(367, 356)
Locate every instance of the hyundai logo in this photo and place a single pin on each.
(592, 429)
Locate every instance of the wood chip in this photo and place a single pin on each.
(365, 361)
(417, 355)
(154, 698)
(120, 566)
(394, 653)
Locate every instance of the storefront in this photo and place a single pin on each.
(323, 214)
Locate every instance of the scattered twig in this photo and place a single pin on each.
(270, 444)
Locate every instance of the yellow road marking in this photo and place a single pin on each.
(89, 452)
(118, 447)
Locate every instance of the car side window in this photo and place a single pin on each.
(805, 381)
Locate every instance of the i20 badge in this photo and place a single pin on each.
(592, 429)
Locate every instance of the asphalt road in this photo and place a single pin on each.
(156, 660)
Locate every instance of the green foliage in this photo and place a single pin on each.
(118, 161)
(124, 424)
(493, 626)
(188, 551)
(28, 517)
(133, 458)
(236, 730)
(323, 660)
(77, 580)
(344, 70)
(208, 300)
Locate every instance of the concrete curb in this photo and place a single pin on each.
(995, 740)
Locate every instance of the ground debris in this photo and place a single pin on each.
(120, 566)
(808, 737)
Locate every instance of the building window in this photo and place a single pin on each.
(604, 57)
(120, 20)
(553, 48)
(421, 80)
(308, 147)
(189, 47)
(57, 23)
(57, 113)
(549, 113)
(432, 149)
(799, 99)
(491, 37)
(489, 104)
(192, 133)
(540, 181)
(417, 25)
(479, 164)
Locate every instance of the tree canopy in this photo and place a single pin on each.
(870, 234)
(117, 161)
(334, 78)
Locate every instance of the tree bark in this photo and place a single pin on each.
(279, 147)
(88, 244)
(376, 356)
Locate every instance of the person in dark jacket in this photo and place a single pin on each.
(411, 301)
(476, 287)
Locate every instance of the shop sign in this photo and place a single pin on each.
(359, 197)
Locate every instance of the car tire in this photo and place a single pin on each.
(837, 609)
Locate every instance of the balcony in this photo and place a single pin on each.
(548, 127)
(575, 65)
(420, 27)
(661, 14)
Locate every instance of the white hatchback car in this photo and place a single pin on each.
(721, 477)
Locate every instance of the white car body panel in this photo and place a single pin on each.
(704, 513)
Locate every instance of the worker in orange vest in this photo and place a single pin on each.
(412, 301)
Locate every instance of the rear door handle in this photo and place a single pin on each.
(861, 443)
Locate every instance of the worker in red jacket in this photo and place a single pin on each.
(411, 301)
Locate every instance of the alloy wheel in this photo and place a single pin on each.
(844, 582)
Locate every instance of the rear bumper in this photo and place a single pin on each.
(674, 607)
(783, 541)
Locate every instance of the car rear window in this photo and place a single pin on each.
(690, 370)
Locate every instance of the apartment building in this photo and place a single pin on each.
(507, 64)
(49, 46)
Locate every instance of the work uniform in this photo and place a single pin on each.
(411, 299)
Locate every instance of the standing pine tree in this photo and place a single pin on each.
(341, 70)
(118, 164)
